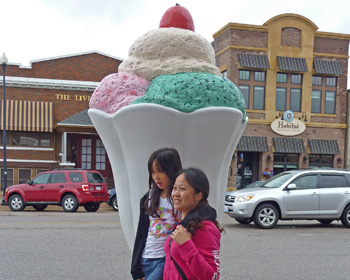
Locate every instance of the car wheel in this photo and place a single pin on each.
(16, 203)
(70, 203)
(92, 207)
(266, 216)
(325, 221)
(40, 207)
(243, 221)
(345, 218)
(114, 203)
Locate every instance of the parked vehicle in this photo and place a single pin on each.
(112, 201)
(66, 188)
(255, 184)
(322, 194)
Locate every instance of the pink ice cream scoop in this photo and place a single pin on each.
(118, 90)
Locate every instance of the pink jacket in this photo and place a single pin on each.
(198, 257)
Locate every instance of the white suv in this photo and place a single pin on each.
(312, 194)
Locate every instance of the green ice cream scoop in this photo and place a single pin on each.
(188, 92)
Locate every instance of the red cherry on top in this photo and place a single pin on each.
(178, 17)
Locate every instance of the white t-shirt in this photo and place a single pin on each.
(159, 229)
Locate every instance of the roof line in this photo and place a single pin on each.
(63, 56)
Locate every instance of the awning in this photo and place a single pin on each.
(27, 116)
(252, 144)
(329, 67)
(257, 61)
(288, 145)
(326, 147)
(292, 64)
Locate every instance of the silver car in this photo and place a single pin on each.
(312, 194)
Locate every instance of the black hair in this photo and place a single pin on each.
(197, 179)
(167, 160)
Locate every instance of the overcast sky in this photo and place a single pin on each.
(40, 29)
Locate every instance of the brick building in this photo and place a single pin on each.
(46, 115)
(294, 82)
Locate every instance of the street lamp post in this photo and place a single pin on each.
(4, 61)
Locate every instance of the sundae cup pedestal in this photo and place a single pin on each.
(205, 138)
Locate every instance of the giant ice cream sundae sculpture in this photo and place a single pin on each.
(168, 93)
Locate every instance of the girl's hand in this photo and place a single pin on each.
(180, 235)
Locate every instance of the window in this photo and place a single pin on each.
(28, 139)
(24, 175)
(331, 81)
(320, 161)
(244, 75)
(295, 99)
(259, 98)
(58, 178)
(316, 80)
(306, 182)
(259, 76)
(281, 99)
(284, 162)
(316, 101)
(288, 92)
(40, 171)
(41, 179)
(323, 99)
(224, 74)
(281, 78)
(75, 177)
(330, 102)
(100, 156)
(94, 178)
(245, 92)
(9, 178)
(295, 79)
(86, 152)
(252, 87)
(333, 181)
(44, 140)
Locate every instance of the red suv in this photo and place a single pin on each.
(66, 188)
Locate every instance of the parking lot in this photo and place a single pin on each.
(53, 244)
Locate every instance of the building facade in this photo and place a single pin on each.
(294, 82)
(47, 125)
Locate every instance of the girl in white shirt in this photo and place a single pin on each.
(157, 216)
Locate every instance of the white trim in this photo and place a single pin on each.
(64, 147)
(27, 149)
(67, 164)
(25, 82)
(30, 160)
(75, 125)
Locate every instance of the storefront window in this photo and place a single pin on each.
(30, 139)
(320, 161)
(284, 162)
(9, 177)
(41, 170)
(24, 175)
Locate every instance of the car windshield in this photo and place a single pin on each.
(277, 181)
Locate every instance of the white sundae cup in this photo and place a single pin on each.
(205, 138)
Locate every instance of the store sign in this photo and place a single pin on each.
(69, 97)
(288, 126)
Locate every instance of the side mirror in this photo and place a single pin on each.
(29, 182)
(291, 187)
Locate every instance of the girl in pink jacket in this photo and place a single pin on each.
(192, 251)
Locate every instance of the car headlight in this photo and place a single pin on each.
(245, 198)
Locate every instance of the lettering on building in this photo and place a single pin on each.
(69, 97)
